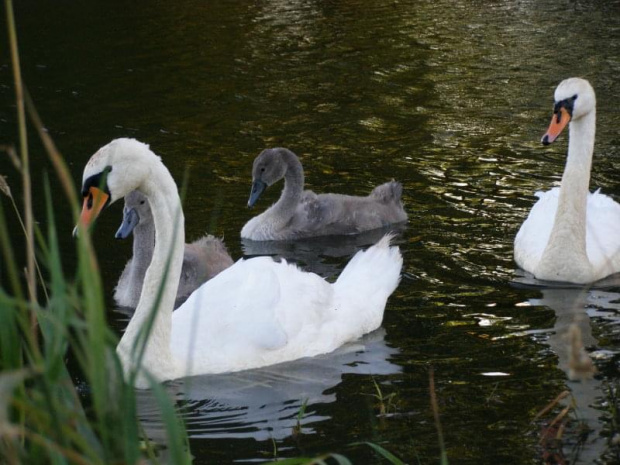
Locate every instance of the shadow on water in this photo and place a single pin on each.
(318, 254)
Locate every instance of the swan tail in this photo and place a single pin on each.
(212, 252)
(388, 192)
(363, 287)
(210, 244)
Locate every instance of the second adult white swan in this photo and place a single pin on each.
(571, 234)
(257, 312)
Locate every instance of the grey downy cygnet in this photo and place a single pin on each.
(301, 214)
(202, 259)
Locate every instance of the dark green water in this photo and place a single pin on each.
(450, 98)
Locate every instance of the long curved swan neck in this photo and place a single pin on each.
(293, 186)
(169, 244)
(567, 242)
(580, 150)
(575, 185)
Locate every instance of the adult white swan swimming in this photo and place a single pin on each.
(257, 312)
(571, 234)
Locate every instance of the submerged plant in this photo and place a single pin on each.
(384, 401)
(334, 458)
(564, 429)
(611, 406)
(300, 416)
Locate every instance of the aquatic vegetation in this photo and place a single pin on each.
(300, 417)
(384, 402)
(48, 413)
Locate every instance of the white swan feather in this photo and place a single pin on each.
(257, 312)
(572, 234)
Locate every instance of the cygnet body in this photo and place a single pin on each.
(301, 214)
(202, 259)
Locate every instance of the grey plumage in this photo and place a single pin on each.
(202, 259)
(300, 214)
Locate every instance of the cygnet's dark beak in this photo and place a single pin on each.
(130, 221)
(257, 189)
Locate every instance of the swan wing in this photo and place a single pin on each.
(338, 214)
(320, 214)
(535, 231)
(251, 314)
(603, 233)
(602, 226)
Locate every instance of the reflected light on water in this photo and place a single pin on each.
(450, 97)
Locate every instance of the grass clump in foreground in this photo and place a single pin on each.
(47, 317)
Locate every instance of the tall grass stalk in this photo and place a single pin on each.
(25, 161)
(435, 407)
(50, 414)
(6, 190)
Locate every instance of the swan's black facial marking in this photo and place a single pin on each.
(568, 104)
(99, 181)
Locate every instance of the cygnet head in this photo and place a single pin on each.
(114, 171)
(574, 98)
(268, 169)
(136, 211)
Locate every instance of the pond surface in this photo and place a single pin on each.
(450, 97)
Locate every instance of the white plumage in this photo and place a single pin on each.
(572, 234)
(602, 229)
(257, 312)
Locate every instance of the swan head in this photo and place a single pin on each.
(268, 169)
(114, 171)
(574, 98)
(136, 211)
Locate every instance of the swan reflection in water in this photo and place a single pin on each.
(264, 403)
(574, 304)
(320, 254)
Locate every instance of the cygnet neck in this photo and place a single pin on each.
(293, 186)
(143, 246)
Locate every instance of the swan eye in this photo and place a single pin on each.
(574, 97)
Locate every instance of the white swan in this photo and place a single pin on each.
(202, 259)
(256, 313)
(301, 214)
(571, 234)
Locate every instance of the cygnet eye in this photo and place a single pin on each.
(142, 202)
